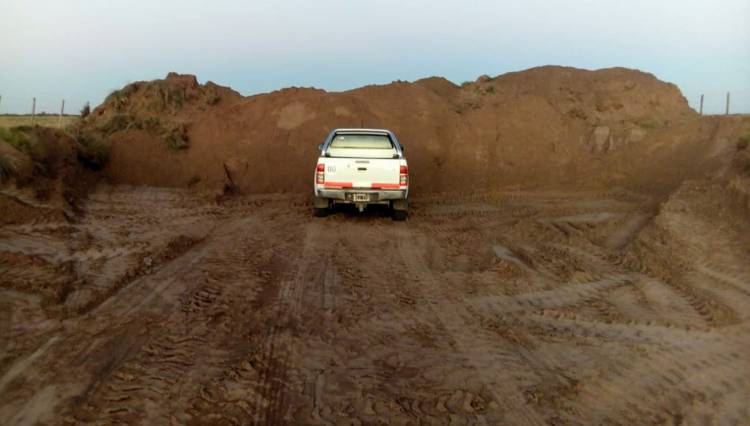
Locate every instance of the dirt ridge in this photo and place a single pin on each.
(591, 129)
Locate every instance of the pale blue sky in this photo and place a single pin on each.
(81, 50)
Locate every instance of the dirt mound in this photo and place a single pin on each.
(544, 127)
(45, 172)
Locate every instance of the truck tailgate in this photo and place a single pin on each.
(362, 173)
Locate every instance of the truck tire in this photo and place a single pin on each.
(400, 214)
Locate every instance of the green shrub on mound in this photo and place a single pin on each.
(24, 139)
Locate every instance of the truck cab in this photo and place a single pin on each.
(361, 167)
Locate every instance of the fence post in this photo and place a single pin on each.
(727, 113)
(33, 110)
(62, 111)
(701, 110)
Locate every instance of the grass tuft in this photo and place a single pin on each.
(120, 98)
(177, 137)
(152, 124)
(16, 137)
(166, 97)
(651, 123)
(118, 123)
(21, 139)
(7, 167)
(743, 142)
(92, 152)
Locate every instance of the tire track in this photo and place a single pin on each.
(196, 346)
(558, 297)
(278, 344)
(354, 319)
(466, 339)
(126, 316)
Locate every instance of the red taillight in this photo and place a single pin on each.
(320, 175)
(403, 176)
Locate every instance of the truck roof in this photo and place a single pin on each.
(363, 131)
(372, 131)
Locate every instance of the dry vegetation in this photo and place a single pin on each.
(8, 120)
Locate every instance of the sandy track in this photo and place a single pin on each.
(522, 308)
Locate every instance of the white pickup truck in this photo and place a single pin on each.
(361, 167)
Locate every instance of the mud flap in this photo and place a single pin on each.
(400, 204)
(320, 203)
(400, 209)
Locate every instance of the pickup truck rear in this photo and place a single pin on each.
(361, 167)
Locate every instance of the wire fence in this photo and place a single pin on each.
(720, 102)
(43, 111)
(44, 104)
(46, 110)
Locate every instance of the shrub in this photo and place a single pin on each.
(651, 123)
(7, 167)
(152, 124)
(119, 98)
(115, 98)
(91, 152)
(86, 110)
(164, 96)
(119, 122)
(177, 137)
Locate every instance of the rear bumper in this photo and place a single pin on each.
(376, 195)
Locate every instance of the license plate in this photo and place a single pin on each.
(361, 197)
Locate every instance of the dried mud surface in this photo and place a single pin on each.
(160, 306)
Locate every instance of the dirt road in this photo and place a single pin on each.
(512, 308)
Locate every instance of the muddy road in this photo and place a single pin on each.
(162, 307)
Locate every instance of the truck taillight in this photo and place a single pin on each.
(320, 174)
(403, 176)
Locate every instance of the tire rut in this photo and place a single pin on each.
(451, 319)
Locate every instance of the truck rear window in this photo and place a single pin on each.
(361, 142)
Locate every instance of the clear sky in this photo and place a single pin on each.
(82, 50)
